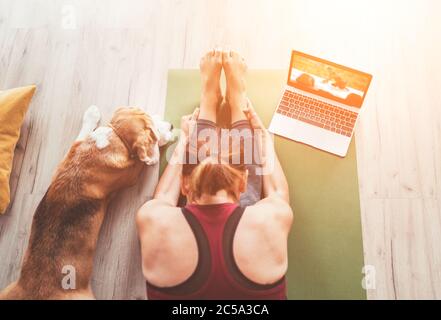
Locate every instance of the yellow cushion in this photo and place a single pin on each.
(13, 106)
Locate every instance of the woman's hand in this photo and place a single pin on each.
(188, 122)
(253, 117)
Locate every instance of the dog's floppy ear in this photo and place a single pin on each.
(146, 147)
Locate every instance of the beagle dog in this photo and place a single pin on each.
(67, 221)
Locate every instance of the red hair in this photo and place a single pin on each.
(213, 174)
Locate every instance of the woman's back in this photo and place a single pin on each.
(220, 258)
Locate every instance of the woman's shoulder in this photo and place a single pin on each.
(269, 210)
(157, 212)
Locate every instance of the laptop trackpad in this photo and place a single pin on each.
(309, 134)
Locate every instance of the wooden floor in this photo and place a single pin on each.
(112, 53)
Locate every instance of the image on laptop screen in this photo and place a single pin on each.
(328, 79)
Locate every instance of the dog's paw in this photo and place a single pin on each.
(153, 158)
(164, 129)
(92, 116)
(150, 162)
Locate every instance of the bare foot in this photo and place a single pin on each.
(211, 95)
(235, 71)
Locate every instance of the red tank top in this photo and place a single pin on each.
(217, 277)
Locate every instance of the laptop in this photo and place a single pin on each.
(320, 104)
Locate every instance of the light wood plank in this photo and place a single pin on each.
(403, 238)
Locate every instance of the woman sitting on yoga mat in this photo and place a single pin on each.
(227, 242)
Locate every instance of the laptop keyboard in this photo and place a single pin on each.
(317, 113)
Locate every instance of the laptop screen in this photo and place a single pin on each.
(327, 79)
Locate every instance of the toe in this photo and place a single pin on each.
(206, 56)
(218, 57)
(235, 54)
(226, 56)
(204, 59)
(218, 53)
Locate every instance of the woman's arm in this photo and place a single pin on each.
(169, 185)
(274, 180)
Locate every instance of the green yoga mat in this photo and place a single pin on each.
(325, 244)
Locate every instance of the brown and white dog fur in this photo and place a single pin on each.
(67, 221)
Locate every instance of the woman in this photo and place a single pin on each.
(225, 243)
